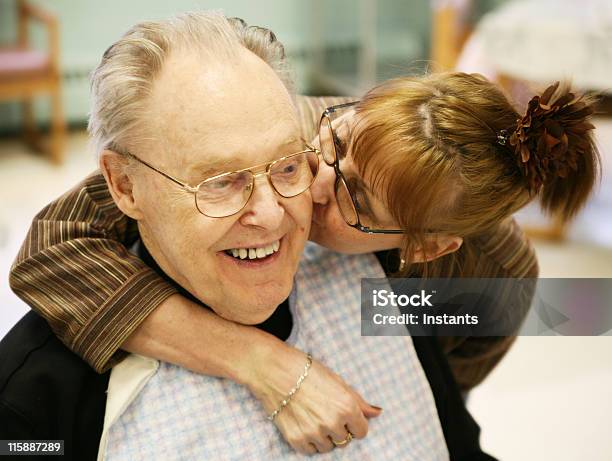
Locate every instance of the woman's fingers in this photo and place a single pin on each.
(369, 410)
(340, 436)
(306, 448)
(323, 408)
(358, 426)
(323, 444)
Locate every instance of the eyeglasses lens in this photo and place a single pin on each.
(345, 204)
(227, 194)
(326, 139)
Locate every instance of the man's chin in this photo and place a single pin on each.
(253, 309)
(248, 317)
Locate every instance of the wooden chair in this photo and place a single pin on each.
(25, 73)
(449, 32)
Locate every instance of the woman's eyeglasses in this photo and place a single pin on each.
(350, 199)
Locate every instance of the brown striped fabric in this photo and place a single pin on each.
(75, 271)
(310, 109)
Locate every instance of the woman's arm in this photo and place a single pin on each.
(74, 269)
(76, 272)
(503, 252)
(181, 332)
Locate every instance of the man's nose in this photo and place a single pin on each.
(265, 208)
(322, 188)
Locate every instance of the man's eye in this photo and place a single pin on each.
(289, 168)
(220, 184)
(225, 184)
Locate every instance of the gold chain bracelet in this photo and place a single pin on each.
(292, 392)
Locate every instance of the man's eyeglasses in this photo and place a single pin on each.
(349, 198)
(227, 193)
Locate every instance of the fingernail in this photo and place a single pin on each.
(378, 408)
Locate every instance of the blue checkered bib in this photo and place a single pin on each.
(180, 415)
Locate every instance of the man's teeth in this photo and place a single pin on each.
(255, 253)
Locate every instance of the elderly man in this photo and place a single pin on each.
(187, 99)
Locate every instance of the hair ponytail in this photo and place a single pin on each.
(450, 154)
(555, 149)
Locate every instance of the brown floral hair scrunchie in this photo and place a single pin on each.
(554, 121)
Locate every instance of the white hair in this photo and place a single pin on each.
(123, 80)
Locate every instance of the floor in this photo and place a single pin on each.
(551, 397)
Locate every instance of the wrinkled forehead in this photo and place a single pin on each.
(238, 112)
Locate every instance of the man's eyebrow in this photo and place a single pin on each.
(217, 164)
(211, 166)
(294, 140)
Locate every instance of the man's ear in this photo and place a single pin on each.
(114, 169)
(437, 247)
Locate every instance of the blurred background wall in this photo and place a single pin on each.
(324, 40)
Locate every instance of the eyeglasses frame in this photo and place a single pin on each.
(340, 179)
(194, 190)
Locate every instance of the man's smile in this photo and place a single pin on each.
(254, 255)
(255, 251)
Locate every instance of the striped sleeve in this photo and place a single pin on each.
(310, 109)
(504, 252)
(75, 271)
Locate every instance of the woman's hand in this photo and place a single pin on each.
(181, 332)
(324, 407)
